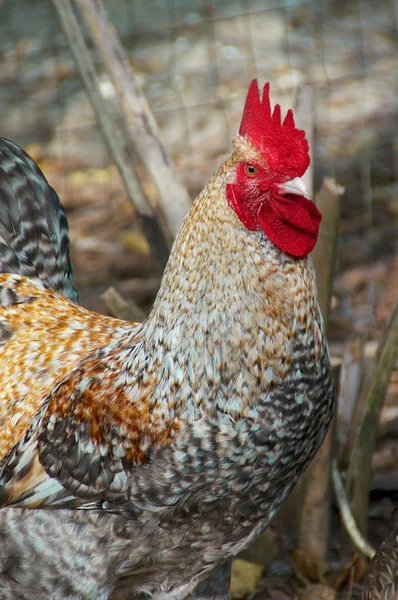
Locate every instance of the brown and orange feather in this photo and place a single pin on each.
(99, 399)
(74, 381)
(44, 336)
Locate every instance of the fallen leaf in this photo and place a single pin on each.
(135, 242)
(244, 578)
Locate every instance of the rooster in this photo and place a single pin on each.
(181, 436)
(382, 579)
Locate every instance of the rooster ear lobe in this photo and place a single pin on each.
(252, 109)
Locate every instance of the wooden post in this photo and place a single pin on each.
(141, 129)
(114, 135)
(314, 505)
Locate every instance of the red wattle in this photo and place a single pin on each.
(291, 224)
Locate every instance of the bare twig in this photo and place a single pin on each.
(315, 486)
(113, 134)
(121, 308)
(314, 506)
(346, 515)
(359, 471)
(141, 130)
(324, 254)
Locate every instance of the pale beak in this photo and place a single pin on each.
(294, 186)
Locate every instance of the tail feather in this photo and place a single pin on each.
(34, 232)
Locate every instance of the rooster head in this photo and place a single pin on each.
(266, 190)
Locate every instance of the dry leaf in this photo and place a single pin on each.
(135, 242)
(245, 577)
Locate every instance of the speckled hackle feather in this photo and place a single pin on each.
(191, 428)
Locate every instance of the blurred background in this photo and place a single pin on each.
(194, 60)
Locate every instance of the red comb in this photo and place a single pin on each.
(284, 147)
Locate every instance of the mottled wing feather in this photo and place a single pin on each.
(24, 477)
(34, 234)
(43, 337)
(94, 428)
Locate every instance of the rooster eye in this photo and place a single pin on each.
(250, 170)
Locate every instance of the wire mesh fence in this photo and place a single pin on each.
(194, 61)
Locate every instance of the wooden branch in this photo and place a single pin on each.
(314, 505)
(325, 251)
(314, 511)
(140, 289)
(140, 126)
(351, 376)
(113, 134)
(346, 515)
(359, 471)
(121, 308)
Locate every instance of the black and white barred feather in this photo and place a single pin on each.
(34, 232)
(41, 551)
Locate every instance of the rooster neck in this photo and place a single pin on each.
(227, 312)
